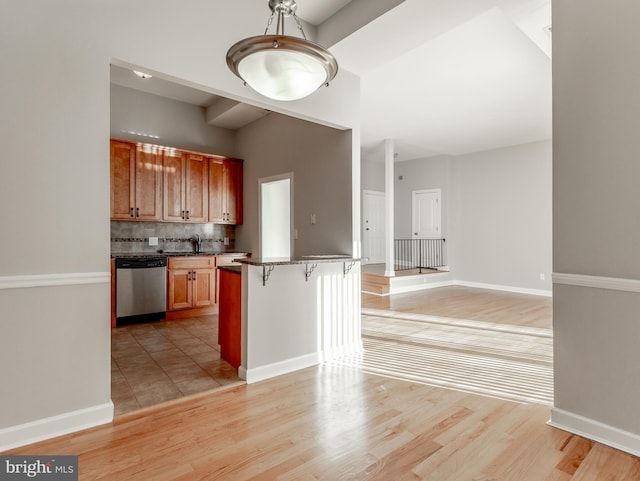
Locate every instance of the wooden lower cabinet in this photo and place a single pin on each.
(229, 317)
(191, 286)
(225, 260)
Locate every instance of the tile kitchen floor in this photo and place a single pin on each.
(159, 361)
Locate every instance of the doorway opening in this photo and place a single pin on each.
(276, 216)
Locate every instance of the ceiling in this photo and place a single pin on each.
(439, 78)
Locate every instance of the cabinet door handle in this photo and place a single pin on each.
(194, 275)
(182, 214)
(189, 276)
(187, 215)
(132, 215)
(137, 211)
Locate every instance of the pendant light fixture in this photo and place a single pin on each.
(279, 66)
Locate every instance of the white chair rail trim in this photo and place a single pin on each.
(598, 282)
(48, 280)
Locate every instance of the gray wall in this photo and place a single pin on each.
(54, 132)
(320, 159)
(501, 220)
(596, 205)
(421, 174)
(372, 175)
(178, 124)
(496, 212)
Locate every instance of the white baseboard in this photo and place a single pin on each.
(596, 431)
(497, 287)
(54, 426)
(419, 287)
(268, 371)
(425, 284)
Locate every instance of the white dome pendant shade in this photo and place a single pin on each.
(282, 67)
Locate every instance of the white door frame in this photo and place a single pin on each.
(414, 227)
(267, 180)
(376, 193)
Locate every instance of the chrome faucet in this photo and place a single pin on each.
(197, 243)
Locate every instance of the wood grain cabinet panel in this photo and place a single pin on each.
(225, 190)
(173, 185)
(186, 196)
(204, 287)
(229, 317)
(180, 290)
(191, 283)
(136, 181)
(197, 188)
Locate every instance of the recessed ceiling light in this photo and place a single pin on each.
(142, 75)
(141, 134)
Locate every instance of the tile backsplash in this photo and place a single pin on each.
(129, 237)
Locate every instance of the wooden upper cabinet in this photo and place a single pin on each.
(185, 187)
(233, 186)
(225, 191)
(150, 182)
(136, 181)
(197, 189)
(216, 186)
(123, 161)
(173, 203)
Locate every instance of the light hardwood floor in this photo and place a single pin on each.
(469, 303)
(334, 422)
(331, 423)
(475, 340)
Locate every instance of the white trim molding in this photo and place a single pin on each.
(598, 282)
(268, 371)
(405, 284)
(50, 280)
(499, 287)
(595, 430)
(34, 431)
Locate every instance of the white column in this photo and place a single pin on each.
(388, 224)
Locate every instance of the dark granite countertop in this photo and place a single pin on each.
(116, 255)
(252, 261)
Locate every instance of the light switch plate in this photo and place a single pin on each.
(153, 241)
(226, 241)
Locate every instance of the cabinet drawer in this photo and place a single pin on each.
(208, 262)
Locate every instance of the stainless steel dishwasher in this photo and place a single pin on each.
(141, 289)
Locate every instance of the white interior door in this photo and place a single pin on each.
(373, 226)
(427, 214)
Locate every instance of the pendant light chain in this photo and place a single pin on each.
(280, 22)
(269, 22)
(299, 25)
